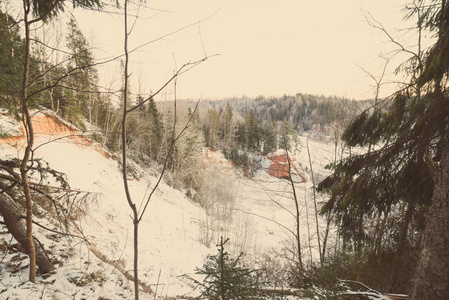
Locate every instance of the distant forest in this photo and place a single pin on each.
(302, 111)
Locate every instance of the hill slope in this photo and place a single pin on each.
(175, 234)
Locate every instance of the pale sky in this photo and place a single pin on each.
(262, 47)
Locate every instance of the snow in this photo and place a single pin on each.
(168, 231)
(8, 126)
(175, 234)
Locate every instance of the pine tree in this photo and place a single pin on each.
(212, 130)
(11, 56)
(380, 198)
(228, 127)
(187, 160)
(227, 278)
(289, 140)
(154, 130)
(253, 137)
(269, 137)
(80, 100)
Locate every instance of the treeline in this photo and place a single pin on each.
(243, 126)
(67, 83)
(302, 111)
(227, 129)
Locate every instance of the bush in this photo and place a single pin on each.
(228, 278)
(241, 160)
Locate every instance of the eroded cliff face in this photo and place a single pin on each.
(44, 123)
(48, 127)
(282, 164)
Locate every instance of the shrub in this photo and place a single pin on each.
(227, 277)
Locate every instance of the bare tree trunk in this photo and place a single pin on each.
(314, 201)
(431, 279)
(222, 271)
(297, 215)
(12, 216)
(132, 205)
(308, 230)
(26, 118)
(326, 234)
(138, 215)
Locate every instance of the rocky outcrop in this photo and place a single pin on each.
(44, 123)
(282, 164)
(49, 126)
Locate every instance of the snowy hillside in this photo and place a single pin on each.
(176, 233)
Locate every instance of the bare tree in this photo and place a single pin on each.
(137, 214)
(314, 202)
(297, 211)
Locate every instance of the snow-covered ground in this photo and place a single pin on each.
(175, 233)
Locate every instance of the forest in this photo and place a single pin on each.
(386, 192)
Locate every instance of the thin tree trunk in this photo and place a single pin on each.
(222, 273)
(297, 215)
(308, 230)
(133, 207)
(326, 234)
(30, 141)
(431, 279)
(314, 201)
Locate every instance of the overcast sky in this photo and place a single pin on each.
(255, 47)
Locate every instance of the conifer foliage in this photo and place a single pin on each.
(226, 277)
(379, 198)
(11, 56)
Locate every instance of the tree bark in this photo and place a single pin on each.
(432, 275)
(132, 205)
(28, 125)
(316, 209)
(297, 215)
(12, 217)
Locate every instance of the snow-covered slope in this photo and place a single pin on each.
(168, 231)
(175, 234)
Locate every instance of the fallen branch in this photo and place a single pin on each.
(368, 293)
(146, 288)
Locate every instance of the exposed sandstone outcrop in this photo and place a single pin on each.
(48, 125)
(281, 164)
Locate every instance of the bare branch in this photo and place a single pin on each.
(376, 24)
(185, 68)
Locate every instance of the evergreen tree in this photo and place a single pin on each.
(80, 97)
(269, 137)
(227, 278)
(187, 160)
(228, 127)
(11, 56)
(252, 132)
(241, 135)
(212, 129)
(380, 198)
(288, 137)
(46, 9)
(154, 130)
